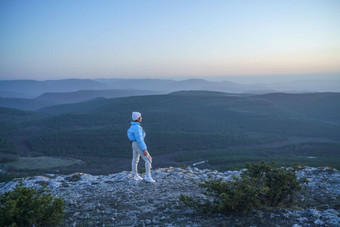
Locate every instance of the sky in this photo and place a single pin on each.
(51, 39)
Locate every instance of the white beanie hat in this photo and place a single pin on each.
(135, 115)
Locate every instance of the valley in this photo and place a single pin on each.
(182, 128)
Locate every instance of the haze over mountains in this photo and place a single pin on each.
(34, 88)
(33, 95)
(55, 98)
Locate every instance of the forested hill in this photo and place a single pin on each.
(225, 129)
(216, 105)
(322, 106)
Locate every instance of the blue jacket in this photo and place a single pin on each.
(136, 133)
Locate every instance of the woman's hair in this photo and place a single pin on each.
(140, 123)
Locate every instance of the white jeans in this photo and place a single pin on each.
(137, 152)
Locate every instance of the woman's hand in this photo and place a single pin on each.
(146, 153)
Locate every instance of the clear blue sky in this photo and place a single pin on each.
(163, 39)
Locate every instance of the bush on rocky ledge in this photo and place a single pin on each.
(27, 207)
(262, 184)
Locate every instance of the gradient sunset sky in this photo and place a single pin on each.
(167, 39)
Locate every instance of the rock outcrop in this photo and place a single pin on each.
(118, 200)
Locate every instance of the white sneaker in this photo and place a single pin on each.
(149, 179)
(137, 177)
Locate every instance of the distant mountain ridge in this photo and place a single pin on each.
(174, 85)
(84, 95)
(56, 98)
(33, 88)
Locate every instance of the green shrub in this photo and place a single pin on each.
(281, 183)
(239, 195)
(262, 184)
(142, 170)
(27, 207)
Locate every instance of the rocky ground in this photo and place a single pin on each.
(118, 200)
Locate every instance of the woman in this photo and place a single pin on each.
(136, 134)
